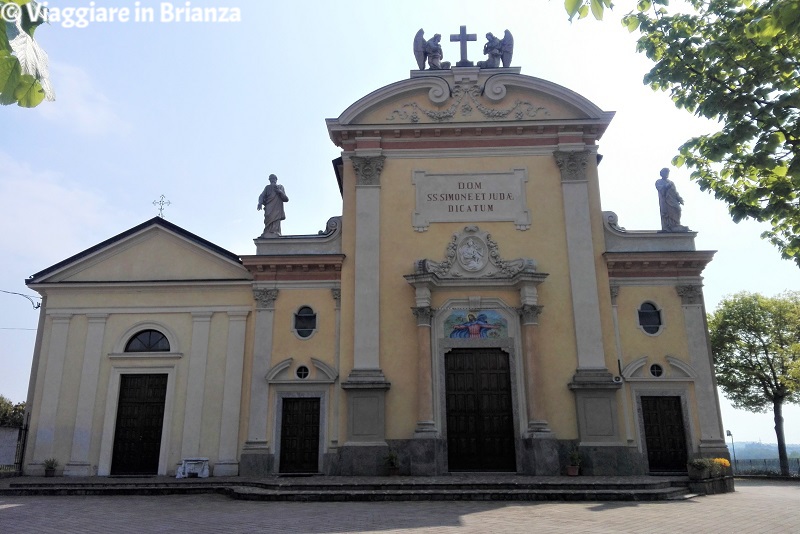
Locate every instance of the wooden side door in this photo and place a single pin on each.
(665, 437)
(300, 436)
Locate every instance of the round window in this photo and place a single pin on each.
(302, 372)
(656, 370)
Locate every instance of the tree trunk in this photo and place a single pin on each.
(777, 407)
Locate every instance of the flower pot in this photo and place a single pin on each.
(696, 473)
(573, 470)
(394, 471)
(50, 472)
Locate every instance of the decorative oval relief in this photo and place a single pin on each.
(472, 254)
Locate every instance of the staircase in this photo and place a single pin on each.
(462, 487)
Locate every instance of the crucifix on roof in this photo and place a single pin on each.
(463, 37)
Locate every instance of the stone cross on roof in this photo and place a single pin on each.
(462, 36)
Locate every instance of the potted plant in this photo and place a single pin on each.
(392, 462)
(50, 465)
(574, 466)
(703, 468)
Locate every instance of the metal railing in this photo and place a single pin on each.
(764, 466)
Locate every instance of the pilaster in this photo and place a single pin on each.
(366, 385)
(537, 424)
(627, 415)
(712, 440)
(195, 389)
(367, 261)
(426, 428)
(254, 457)
(580, 250)
(51, 390)
(228, 465)
(336, 293)
(79, 464)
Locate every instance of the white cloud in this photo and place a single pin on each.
(46, 217)
(79, 105)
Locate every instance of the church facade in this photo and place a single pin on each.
(472, 309)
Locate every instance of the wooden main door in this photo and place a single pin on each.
(664, 433)
(300, 436)
(480, 421)
(140, 416)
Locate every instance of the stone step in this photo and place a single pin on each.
(334, 484)
(331, 489)
(257, 494)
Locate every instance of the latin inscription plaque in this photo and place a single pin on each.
(473, 197)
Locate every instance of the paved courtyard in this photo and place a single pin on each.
(756, 506)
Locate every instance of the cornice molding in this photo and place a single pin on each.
(301, 267)
(665, 264)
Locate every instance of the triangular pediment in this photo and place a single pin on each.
(154, 251)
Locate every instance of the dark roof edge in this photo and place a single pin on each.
(155, 221)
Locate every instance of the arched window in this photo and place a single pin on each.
(650, 318)
(305, 321)
(148, 341)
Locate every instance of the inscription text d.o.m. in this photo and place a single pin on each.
(494, 196)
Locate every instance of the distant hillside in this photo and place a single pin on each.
(763, 451)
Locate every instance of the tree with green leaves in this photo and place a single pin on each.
(24, 77)
(11, 414)
(756, 345)
(736, 62)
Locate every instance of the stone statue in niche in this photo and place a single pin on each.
(669, 203)
(430, 50)
(498, 50)
(272, 200)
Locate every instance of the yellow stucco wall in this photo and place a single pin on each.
(544, 242)
(153, 255)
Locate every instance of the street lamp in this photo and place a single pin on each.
(728, 433)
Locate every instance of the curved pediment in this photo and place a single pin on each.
(470, 95)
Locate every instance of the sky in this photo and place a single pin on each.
(203, 112)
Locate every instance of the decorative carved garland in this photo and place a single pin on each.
(522, 108)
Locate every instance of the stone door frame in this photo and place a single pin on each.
(442, 344)
(110, 417)
(297, 393)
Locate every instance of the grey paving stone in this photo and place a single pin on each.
(756, 506)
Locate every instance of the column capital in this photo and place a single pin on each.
(690, 294)
(614, 290)
(368, 169)
(265, 298)
(530, 313)
(423, 315)
(572, 165)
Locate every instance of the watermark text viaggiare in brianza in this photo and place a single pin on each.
(135, 12)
